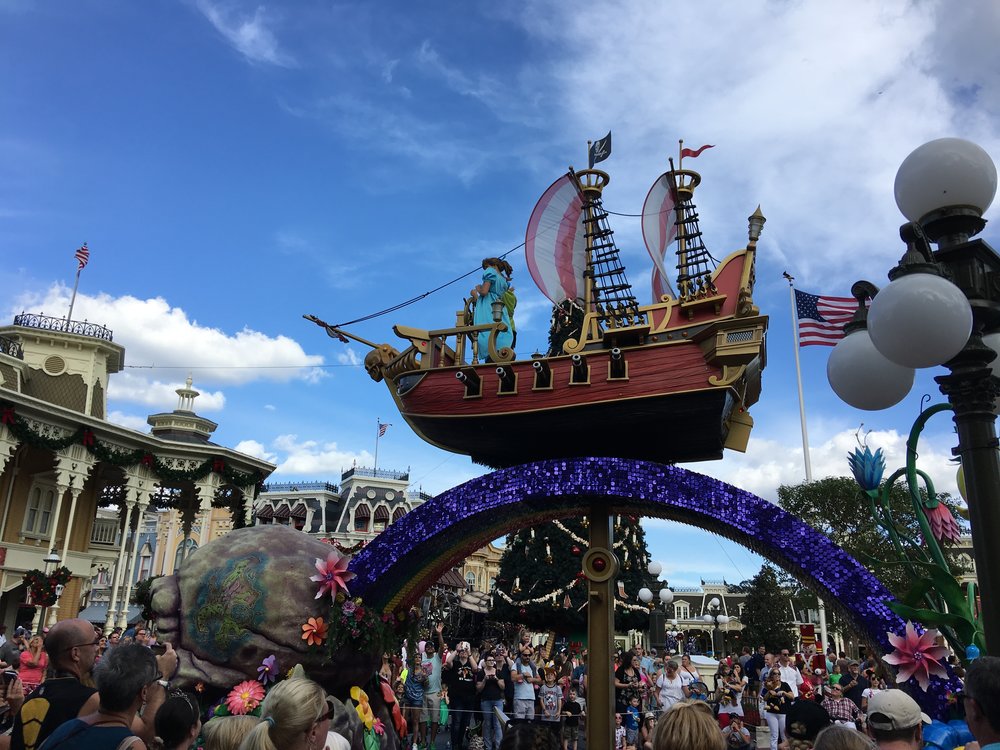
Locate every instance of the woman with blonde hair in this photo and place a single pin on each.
(295, 715)
(688, 725)
(227, 732)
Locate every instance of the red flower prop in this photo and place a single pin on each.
(943, 525)
(245, 697)
(314, 631)
(333, 574)
(917, 655)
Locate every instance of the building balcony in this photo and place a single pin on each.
(76, 327)
(106, 531)
(364, 471)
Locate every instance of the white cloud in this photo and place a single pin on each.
(159, 396)
(251, 35)
(255, 449)
(309, 459)
(130, 421)
(161, 337)
(348, 357)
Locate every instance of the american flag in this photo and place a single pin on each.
(382, 428)
(82, 256)
(822, 319)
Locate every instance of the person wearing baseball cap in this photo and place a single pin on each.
(895, 721)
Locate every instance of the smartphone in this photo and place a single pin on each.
(158, 648)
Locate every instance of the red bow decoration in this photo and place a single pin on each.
(88, 438)
(8, 415)
(218, 465)
(147, 459)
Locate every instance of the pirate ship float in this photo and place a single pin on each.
(670, 381)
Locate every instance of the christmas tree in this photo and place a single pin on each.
(541, 584)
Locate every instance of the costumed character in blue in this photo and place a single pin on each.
(483, 296)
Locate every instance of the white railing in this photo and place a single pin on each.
(105, 531)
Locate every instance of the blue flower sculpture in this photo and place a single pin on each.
(867, 467)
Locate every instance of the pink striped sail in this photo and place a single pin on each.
(659, 230)
(554, 245)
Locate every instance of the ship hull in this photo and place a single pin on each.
(651, 402)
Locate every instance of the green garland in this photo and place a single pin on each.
(42, 585)
(123, 458)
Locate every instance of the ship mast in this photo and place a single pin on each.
(608, 297)
(694, 263)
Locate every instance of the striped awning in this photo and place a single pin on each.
(266, 511)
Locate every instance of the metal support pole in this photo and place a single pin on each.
(970, 392)
(600, 565)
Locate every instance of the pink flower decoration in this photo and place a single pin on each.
(378, 726)
(916, 656)
(245, 697)
(943, 525)
(333, 574)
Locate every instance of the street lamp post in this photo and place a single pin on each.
(712, 617)
(942, 307)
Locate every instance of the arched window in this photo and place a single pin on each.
(38, 516)
(184, 550)
(493, 583)
(682, 610)
(470, 580)
(362, 514)
(381, 519)
(145, 561)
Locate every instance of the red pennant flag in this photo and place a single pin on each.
(692, 154)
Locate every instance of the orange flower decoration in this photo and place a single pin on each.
(314, 631)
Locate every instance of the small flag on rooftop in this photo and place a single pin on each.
(82, 256)
(600, 150)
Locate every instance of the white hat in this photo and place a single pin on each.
(893, 709)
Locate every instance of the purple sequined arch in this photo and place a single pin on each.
(403, 561)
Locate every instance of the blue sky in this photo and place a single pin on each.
(234, 165)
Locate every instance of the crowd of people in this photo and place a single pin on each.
(96, 692)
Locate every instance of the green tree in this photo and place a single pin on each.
(836, 507)
(766, 617)
(541, 584)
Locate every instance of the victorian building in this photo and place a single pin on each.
(74, 487)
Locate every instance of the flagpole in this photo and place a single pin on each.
(820, 605)
(72, 300)
(680, 152)
(798, 377)
(378, 433)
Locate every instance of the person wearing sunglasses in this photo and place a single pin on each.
(295, 715)
(127, 679)
(72, 649)
(843, 711)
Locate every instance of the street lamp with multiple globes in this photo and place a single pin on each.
(941, 307)
(715, 620)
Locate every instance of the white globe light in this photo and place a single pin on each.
(863, 378)
(920, 320)
(667, 596)
(654, 568)
(645, 595)
(707, 618)
(715, 602)
(672, 622)
(723, 619)
(943, 173)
